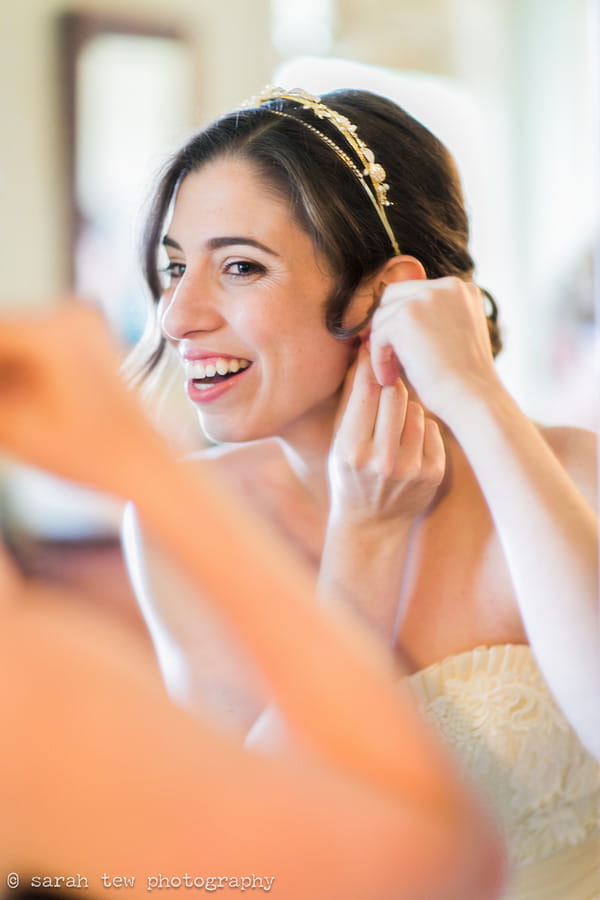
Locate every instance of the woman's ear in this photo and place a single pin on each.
(401, 268)
(367, 297)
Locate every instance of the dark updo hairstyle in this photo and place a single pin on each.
(326, 198)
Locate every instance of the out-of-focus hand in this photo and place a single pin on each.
(63, 406)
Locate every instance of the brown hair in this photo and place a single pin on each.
(427, 212)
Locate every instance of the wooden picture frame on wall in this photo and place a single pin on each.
(127, 96)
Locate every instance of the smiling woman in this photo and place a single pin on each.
(236, 257)
(323, 243)
(149, 796)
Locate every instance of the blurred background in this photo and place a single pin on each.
(95, 95)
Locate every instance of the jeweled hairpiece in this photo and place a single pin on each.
(376, 187)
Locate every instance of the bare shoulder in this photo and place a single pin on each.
(255, 471)
(577, 450)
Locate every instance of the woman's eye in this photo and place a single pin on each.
(173, 271)
(242, 268)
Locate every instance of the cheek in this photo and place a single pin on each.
(301, 349)
(321, 365)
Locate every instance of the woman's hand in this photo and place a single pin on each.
(386, 463)
(63, 406)
(387, 458)
(436, 333)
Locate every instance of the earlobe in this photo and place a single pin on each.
(402, 268)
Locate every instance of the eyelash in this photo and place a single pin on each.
(175, 270)
(252, 268)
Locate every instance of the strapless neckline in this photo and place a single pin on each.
(493, 707)
(489, 657)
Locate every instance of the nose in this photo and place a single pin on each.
(188, 308)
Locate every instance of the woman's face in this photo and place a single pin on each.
(244, 307)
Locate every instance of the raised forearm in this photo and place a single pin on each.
(549, 535)
(363, 566)
(386, 463)
(438, 332)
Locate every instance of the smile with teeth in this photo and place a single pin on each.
(207, 373)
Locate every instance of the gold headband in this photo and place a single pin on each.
(378, 189)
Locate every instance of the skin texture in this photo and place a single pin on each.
(431, 521)
(264, 305)
(146, 788)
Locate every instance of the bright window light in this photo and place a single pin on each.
(304, 27)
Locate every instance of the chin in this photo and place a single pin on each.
(233, 433)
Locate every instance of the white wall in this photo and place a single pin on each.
(526, 62)
(230, 41)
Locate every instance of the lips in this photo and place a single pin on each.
(208, 377)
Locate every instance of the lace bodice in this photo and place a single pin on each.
(493, 706)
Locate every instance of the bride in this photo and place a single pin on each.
(318, 291)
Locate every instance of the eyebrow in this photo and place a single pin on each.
(217, 242)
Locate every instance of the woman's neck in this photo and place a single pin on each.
(306, 446)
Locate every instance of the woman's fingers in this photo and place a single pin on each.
(59, 377)
(391, 415)
(384, 362)
(398, 435)
(386, 366)
(359, 404)
(388, 457)
(380, 422)
(436, 332)
(434, 452)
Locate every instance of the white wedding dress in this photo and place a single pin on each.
(493, 706)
